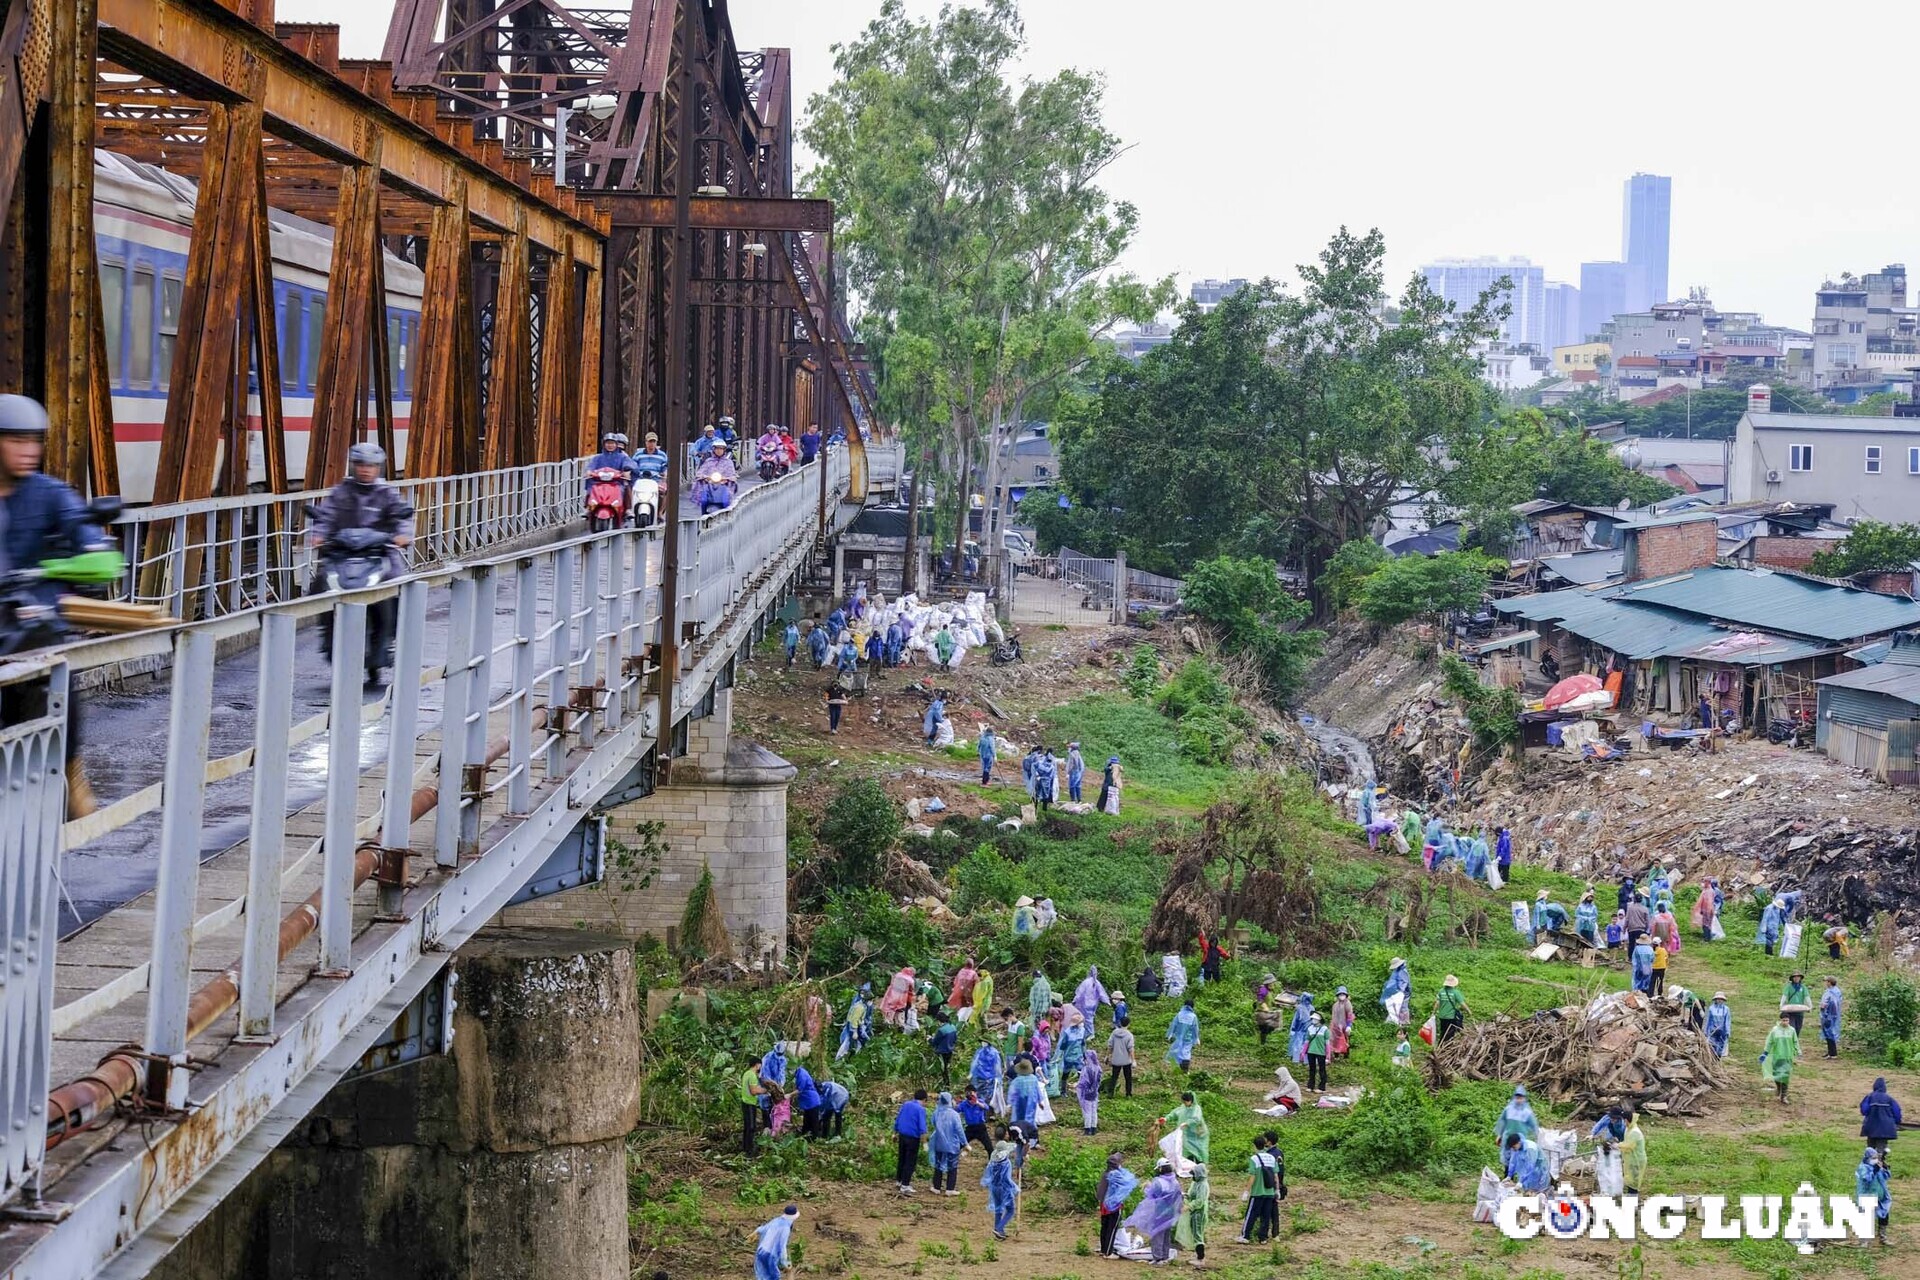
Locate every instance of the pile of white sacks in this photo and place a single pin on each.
(970, 622)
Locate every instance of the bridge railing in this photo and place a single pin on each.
(519, 688)
(32, 769)
(220, 555)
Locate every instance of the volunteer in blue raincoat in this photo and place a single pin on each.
(770, 1250)
(1046, 772)
(1003, 1194)
(988, 751)
(1772, 917)
(1475, 861)
(1399, 982)
(1526, 1164)
(1155, 1216)
(930, 723)
(1830, 1017)
(858, 1028)
(1871, 1179)
(1076, 771)
(949, 1140)
(1517, 1118)
(1643, 963)
(1183, 1035)
(1719, 1024)
(1586, 919)
(1116, 1184)
(817, 645)
(1090, 995)
(1297, 1030)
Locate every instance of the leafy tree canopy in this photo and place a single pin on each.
(1871, 545)
(973, 227)
(1424, 586)
(1523, 455)
(1247, 604)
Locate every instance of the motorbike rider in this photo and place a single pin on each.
(703, 444)
(364, 500)
(729, 432)
(40, 517)
(613, 456)
(652, 460)
(787, 443)
(769, 446)
(717, 472)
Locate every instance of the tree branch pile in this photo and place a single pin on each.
(1619, 1049)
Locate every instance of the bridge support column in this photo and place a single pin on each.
(505, 1158)
(725, 809)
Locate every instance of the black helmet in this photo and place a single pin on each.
(22, 416)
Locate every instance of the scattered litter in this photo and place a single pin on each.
(936, 805)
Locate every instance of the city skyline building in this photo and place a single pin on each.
(1461, 281)
(1646, 225)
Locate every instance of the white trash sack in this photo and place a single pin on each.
(1557, 1145)
(1609, 1174)
(1493, 1189)
(1173, 1149)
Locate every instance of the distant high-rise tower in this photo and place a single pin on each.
(1645, 221)
(1461, 281)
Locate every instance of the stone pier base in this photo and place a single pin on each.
(724, 807)
(503, 1160)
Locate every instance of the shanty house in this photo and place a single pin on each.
(1870, 718)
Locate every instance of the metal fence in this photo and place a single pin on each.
(221, 555)
(33, 784)
(520, 693)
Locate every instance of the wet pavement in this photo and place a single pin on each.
(124, 743)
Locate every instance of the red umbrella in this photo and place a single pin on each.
(1569, 689)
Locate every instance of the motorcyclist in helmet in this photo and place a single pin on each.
(612, 454)
(40, 518)
(364, 500)
(729, 432)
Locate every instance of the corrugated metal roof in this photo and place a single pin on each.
(1895, 682)
(1869, 654)
(1585, 568)
(1678, 517)
(1650, 631)
(1779, 602)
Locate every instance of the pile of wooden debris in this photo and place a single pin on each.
(1622, 1048)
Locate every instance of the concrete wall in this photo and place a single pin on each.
(502, 1160)
(1660, 550)
(724, 806)
(1763, 446)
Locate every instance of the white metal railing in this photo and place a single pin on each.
(521, 676)
(32, 796)
(221, 555)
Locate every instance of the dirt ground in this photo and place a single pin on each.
(850, 1229)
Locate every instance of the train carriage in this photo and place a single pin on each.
(143, 222)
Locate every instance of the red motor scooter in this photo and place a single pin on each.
(606, 499)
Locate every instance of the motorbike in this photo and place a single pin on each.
(1008, 651)
(27, 621)
(713, 490)
(1792, 731)
(646, 501)
(606, 499)
(355, 560)
(773, 461)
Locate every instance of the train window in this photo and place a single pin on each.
(316, 335)
(393, 354)
(291, 311)
(113, 299)
(169, 324)
(140, 331)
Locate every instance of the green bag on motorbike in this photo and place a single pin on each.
(95, 567)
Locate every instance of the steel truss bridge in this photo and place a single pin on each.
(599, 201)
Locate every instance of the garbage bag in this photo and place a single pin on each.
(1493, 1189)
(1609, 1174)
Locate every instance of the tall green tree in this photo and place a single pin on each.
(972, 224)
(1523, 454)
(1279, 424)
(1871, 545)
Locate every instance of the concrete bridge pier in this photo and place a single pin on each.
(502, 1160)
(724, 807)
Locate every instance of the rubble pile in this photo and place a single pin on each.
(1621, 1048)
(1752, 813)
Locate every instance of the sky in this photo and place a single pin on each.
(1507, 127)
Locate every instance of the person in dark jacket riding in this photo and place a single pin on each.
(612, 456)
(1879, 1117)
(40, 518)
(364, 500)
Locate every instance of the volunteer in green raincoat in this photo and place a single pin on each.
(1776, 1063)
(1039, 997)
(1190, 1228)
(1192, 1122)
(1633, 1156)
